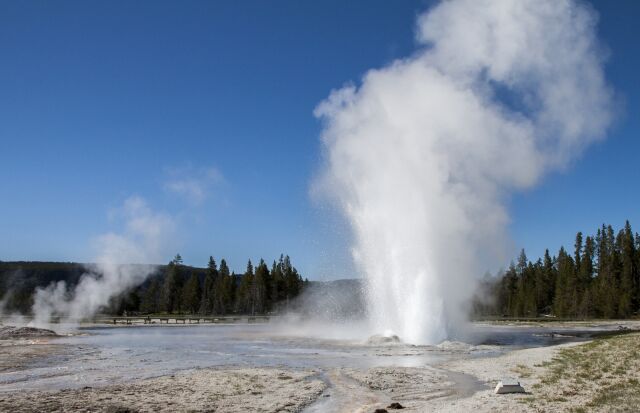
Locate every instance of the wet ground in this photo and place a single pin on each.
(355, 373)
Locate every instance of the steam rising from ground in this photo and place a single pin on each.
(141, 241)
(421, 155)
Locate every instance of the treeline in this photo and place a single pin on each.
(174, 288)
(257, 291)
(600, 278)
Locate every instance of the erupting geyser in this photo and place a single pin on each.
(420, 156)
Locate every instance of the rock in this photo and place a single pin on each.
(455, 346)
(508, 385)
(395, 405)
(378, 339)
(10, 332)
(120, 409)
(381, 411)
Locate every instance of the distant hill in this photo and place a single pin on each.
(170, 288)
(333, 300)
(19, 279)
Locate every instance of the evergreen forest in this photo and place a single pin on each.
(172, 289)
(598, 278)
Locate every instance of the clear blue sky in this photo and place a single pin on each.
(100, 101)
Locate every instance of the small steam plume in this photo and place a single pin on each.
(141, 241)
(421, 156)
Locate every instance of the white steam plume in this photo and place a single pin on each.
(142, 241)
(422, 154)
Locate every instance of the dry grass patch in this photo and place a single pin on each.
(602, 375)
(522, 370)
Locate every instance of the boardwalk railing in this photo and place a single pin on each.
(151, 319)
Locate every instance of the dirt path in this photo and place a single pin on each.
(345, 394)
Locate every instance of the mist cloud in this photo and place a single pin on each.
(119, 265)
(421, 156)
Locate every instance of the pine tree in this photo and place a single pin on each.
(207, 303)
(278, 284)
(550, 275)
(607, 282)
(615, 263)
(171, 288)
(522, 262)
(244, 295)
(223, 290)
(585, 280)
(529, 280)
(573, 293)
(577, 256)
(293, 281)
(259, 288)
(151, 298)
(511, 287)
(563, 300)
(521, 295)
(540, 285)
(191, 294)
(627, 272)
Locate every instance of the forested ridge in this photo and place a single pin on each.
(599, 278)
(174, 288)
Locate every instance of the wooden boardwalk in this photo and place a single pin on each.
(187, 319)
